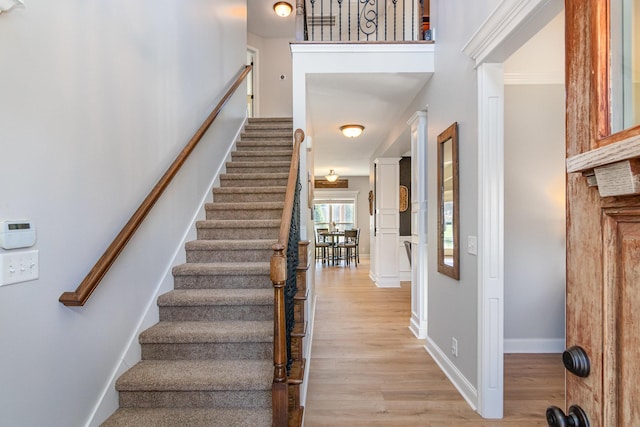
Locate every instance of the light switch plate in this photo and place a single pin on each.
(17, 267)
(472, 245)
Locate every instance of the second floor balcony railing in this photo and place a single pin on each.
(367, 20)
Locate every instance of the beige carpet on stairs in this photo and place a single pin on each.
(209, 360)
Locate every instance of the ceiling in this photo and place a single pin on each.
(372, 100)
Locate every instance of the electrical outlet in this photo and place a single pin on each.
(454, 347)
(16, 267)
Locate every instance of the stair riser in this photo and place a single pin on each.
(244, 214)
(247, 197)
(278, 127)
(259, 157)
(267, 136)
(196, 399)
(190, 351)
(225, 255)
(256, 169)
(237, 233)
(222, 282)
(263, 146)
(218, 312)
(265, 182)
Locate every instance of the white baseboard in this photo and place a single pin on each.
(388, 282)
(418, 329)
(556, 345)
(464, 387)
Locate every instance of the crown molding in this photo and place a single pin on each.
(511, 24)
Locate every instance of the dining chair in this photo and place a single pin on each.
(322, 246)
(350, 246)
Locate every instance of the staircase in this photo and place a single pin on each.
(209, 360)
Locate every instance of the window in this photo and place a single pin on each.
(339, 207)
(338, 214)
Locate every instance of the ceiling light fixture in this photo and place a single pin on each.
(282, 9)
(332, 177)
(351, 131)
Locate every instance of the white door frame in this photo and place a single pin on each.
(510, 25)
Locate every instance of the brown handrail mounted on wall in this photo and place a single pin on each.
(280, 391)
(99, 270)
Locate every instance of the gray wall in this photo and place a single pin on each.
(451, 96)
(534, 189)
(97, 99)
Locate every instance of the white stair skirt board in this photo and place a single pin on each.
(464, 387)
(534, 345)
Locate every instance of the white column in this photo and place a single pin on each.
(418, 321)
(387, 269)
(490, 239)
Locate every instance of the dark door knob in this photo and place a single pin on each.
(576, 361)
(575, 418)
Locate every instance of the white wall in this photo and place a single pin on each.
(97, 99)
(274, 60)
(534, 191)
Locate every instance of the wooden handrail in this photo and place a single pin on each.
(278, 275)
(91, 282)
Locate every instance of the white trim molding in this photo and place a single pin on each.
(511, 24)
(491, 240)
(464, 387)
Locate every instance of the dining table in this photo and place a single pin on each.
(335, 239)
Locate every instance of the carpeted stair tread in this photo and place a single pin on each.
(261, 175)
(258, 145)
(197, 375)
(270, 119)
(235, 223)
(208, 332)
(233, 245)
(237, 190)
(258, 206)
(213, 297)
(265, 163)
(190, 417)
(221, 268)
(271, 153)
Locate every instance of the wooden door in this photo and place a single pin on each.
(603, 233)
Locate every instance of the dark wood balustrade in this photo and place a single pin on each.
(280, 392)
(80, 296)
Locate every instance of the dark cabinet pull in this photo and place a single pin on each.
(576, 417)
(576, 361)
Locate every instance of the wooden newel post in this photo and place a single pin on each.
(279, 389)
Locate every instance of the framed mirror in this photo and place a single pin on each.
(448, 203)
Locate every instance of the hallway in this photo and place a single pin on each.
(367, 368)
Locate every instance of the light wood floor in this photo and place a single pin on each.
(368, 369)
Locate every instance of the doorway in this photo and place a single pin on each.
(252, 55)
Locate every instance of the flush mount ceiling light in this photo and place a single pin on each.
(332, 177)
(351, 131)
(282, 9)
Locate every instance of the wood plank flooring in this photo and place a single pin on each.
(368, 369)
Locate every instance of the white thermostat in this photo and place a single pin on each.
(15, 234)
